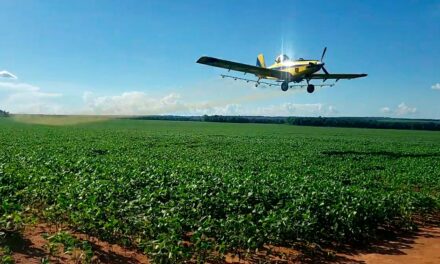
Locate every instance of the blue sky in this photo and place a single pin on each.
(138, 57)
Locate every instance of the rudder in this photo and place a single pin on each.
(260, 61)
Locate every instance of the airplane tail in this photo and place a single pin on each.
(260, 61)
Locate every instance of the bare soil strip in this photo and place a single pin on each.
(422, 246)
(30, 247)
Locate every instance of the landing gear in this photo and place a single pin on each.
(257, 82)
(284, 86)
(310, 88)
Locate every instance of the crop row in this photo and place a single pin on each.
(181, 191)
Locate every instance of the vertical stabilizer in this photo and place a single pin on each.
(260, 61)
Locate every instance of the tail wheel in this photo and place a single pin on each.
(284, 86)
(310, 88)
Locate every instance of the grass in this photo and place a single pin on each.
(219, 187)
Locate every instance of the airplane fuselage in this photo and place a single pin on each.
(298, 69)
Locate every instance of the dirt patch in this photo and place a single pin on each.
(30, 247)
(422, 246)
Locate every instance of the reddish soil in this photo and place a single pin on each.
(29, 247)
(422, 246)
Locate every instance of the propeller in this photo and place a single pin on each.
(322, 57)
(323, 53)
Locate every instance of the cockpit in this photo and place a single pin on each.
(281, 58)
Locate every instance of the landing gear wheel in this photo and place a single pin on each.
(284, 86)
(310, 88)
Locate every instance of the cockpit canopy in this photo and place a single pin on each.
(281, 58)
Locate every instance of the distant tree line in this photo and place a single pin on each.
(3, 113)
(244, 119)
(366, 122)
(167, 117)
(216, 118)
(355, 122)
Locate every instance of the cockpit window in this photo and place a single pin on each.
(281, 58)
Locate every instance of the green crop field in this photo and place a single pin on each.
(181, 190)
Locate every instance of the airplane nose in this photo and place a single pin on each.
(315, 65)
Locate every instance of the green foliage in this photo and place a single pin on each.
(69, 244)
(181, 190)
(6, 255)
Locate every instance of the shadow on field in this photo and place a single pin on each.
(388, 154)
(29, 247)
(106, 256)
(19, 244)
(389, 243)
(392, 245)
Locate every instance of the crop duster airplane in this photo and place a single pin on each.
(283, 70)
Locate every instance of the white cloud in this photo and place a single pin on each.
(38, 107)
(209, 109)
(291, 109)
(233, 99)
(18, 87)
(385, 110)
(140, 103)
(34, 102)
(19, 91)
(230, 109)
(401, 110)
(28, 98)
(436, 86)
(133, 103)
(87, 97)
(6, 74)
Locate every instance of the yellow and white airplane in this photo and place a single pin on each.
(283, 70)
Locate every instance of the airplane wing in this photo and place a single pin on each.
(235, 66)
(335, 76)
